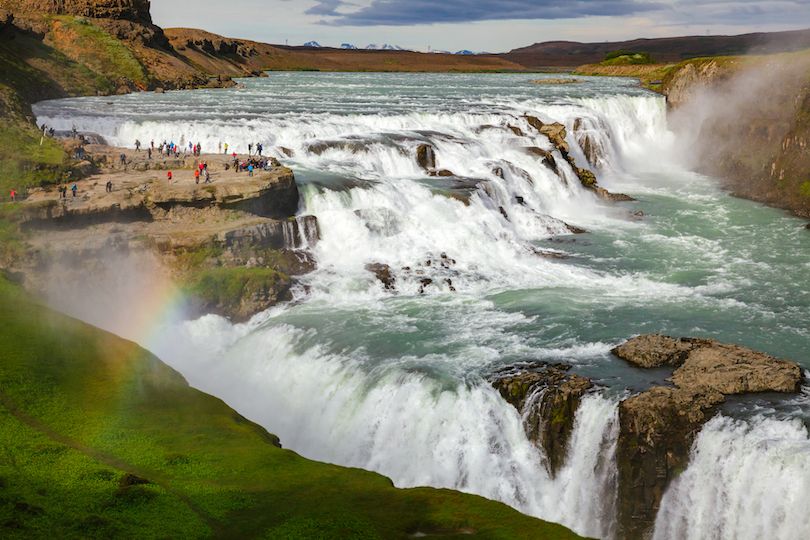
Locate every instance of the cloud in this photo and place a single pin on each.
(326, 8)
(412, 12)
(740, 12)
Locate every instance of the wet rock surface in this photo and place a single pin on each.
(556, 134)
(705, 364)
(426, 156)
(383, 273)
(547, 397)
(658, 426)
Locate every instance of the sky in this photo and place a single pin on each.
(476, 25)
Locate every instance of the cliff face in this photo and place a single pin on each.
(131, 10)
(748, 120)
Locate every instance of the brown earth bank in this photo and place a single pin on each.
(656, 427)
(570, 54)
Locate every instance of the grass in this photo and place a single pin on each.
(80, 408)
(228, 286)
(24, 163)
(12, 240)
(627, 58)
(90, 45)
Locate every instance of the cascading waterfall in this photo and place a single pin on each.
(406, 420)
(396, 382)
(746, 480)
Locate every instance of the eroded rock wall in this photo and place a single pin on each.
(748, 120)
(133, 10)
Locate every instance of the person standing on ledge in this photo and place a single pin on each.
(196, 176)
(73, 189)
(169, 177)
(137, 145)
(250, 169)
(250, 148)
(226, 148)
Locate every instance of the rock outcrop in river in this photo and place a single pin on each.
(657, 427)
(547, 397)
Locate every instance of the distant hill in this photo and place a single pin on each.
(572, 53)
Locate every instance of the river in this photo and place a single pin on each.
(396, 381)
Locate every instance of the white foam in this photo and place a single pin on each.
(746, 480)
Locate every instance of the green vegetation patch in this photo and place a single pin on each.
(12, 239)
(627, 57)
(228, 286)
(37, 71)
(25, 163)
(88, 44)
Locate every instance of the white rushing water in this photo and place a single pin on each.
(397, 382)
(746, 480)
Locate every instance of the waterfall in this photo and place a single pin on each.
(399, 419)
(746, 479)
(396, 379)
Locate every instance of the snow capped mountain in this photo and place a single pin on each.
(385, 47)
(388, 47)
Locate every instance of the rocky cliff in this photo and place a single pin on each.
(132, 10)
(547, 397)
(749, 120)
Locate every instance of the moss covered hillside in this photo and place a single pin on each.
(31, 71)
(99, 439)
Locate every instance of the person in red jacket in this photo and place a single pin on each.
(169, 177)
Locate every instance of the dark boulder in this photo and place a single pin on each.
(426, 156)
(383, 273)
(547, 398)
(555, 133)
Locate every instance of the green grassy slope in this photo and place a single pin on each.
(32, 71)
(80, 408)
(96, 49)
